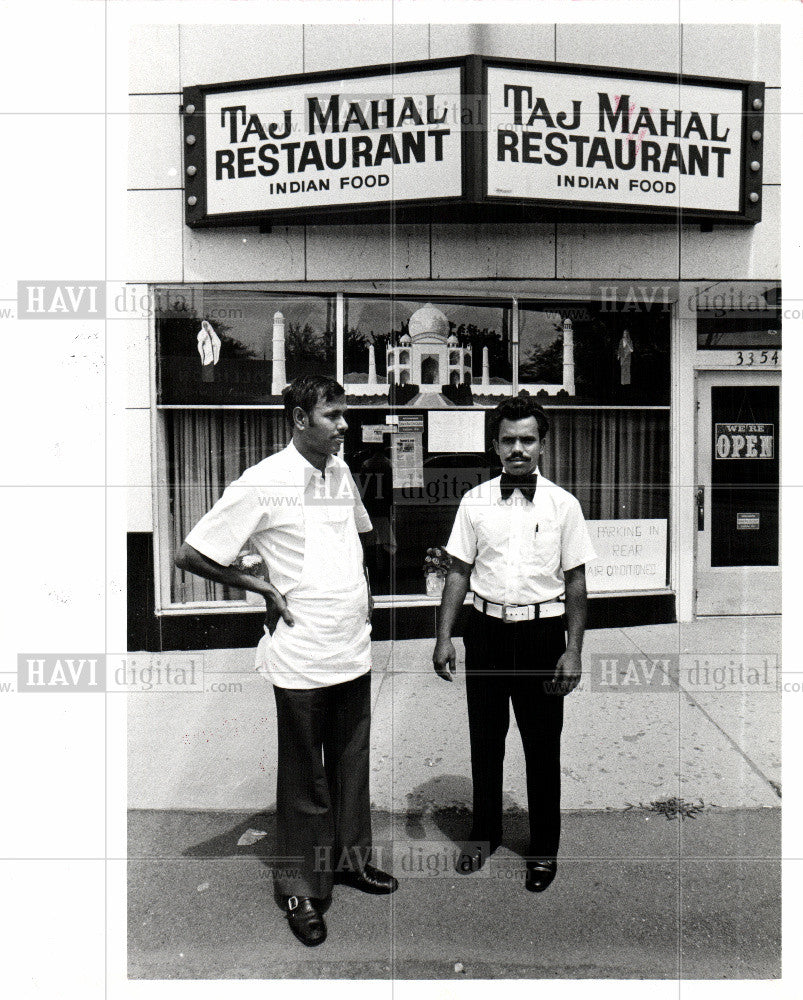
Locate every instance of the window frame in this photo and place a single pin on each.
(160, 496)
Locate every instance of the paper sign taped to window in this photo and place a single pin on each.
(407, 457)
(462, 431)
(631, 555)
(374, 432)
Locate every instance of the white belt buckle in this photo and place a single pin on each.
(511, 614)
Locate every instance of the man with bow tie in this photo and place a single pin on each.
(521, 543)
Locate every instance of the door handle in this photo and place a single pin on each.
(701, 508)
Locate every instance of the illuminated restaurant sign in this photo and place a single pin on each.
(472, 132)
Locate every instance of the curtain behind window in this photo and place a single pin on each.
(207, 450)
(616, 462)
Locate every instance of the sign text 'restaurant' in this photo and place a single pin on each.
(362, 140)
(592, 138)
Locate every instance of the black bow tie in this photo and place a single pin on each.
(524, 483)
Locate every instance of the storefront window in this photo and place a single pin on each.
(427, 347)
(588, 354)
(615, 461)
(221, 345)
(422, 377)
(741, 319)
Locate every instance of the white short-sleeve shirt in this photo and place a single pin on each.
(519, 550)
(266, 507)
(305, 527)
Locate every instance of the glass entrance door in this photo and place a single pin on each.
(738, 494)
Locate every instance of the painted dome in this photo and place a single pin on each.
(428, 319)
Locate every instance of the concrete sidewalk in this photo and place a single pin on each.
(636, 897)
(626, 740)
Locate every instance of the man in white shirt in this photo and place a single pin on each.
(520, 543)
(301, 512)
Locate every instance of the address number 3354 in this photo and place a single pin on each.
(748, 358)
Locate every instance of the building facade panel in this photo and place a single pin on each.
(637, 251)
(727, 251)
(483, 250)
(244, 254)
(140, 469)
(518, 41)
(239, 52)
(363, 45)
(155, 229)
(370, 251)
(132, 337)
(154, 141)
(652, 47)
(455, 39)
(153, 59)
(739, 51)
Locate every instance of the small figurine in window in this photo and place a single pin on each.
(209, 349)
(623, 353)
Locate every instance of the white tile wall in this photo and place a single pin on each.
(455, 39)
(138, 447)
(367, 252)
(632, 46)
(244, 254)
(133, 335)
(518, 41)
(736, 252)
(139, 493)
(490, 251)
(327, 47)
(153, 59)
(239, 52)
(162, 248)
(736, 51)
(155, 225)
(154, 142)
(617, 251)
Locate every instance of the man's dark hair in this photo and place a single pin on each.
(308, 390)
(518, 408)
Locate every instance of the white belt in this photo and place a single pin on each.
(519, 612)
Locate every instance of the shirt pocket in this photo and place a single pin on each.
(542, 549)
(493, 533)
(332, 554)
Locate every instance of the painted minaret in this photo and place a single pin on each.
(568, 356)
(279, 380)
(486, 370)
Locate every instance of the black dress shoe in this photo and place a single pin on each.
(540, 875)
(370, 879)
(474, 855)
(305, 920)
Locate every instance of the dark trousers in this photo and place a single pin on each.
(509, 662)
(323, 809)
